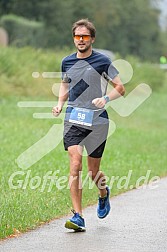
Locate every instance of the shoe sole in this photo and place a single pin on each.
(71, 225)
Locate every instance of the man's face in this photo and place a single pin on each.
(83, 39)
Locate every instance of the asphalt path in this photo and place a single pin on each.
(137, 222)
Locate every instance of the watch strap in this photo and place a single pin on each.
(107, 99)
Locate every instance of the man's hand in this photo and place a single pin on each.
(99, 102)
(56, 110)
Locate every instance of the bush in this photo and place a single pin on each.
(23, 32)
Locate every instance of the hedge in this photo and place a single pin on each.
(23, 32)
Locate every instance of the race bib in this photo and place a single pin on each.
(81, 116)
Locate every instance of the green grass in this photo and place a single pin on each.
(138, 144)
(17, 66)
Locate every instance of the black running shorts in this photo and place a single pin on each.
(93, 138)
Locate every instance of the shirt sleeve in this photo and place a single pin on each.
(62, 70)
(110, 71)
(64, 76)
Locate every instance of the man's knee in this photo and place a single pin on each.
(75, 167)
(94, 174)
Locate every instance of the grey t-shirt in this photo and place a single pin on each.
(87, 79)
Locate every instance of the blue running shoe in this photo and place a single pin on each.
(76, 223)
(103, 207)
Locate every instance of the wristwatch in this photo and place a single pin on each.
(107, 99)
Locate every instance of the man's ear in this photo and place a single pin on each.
(93, 40)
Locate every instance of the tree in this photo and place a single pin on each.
(127, 27)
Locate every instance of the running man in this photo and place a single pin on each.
(85, 75)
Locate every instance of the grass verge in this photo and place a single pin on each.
(139, 145)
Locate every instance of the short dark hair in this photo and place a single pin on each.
(84, 22)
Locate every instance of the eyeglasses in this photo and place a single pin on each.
(84, 37)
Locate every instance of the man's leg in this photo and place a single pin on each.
(103, 207)
(97, 176)
(74, 179)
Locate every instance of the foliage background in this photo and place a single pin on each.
(127, 27)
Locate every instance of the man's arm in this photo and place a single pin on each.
(115, 93)
(63, 96)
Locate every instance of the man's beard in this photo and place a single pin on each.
(84, 50)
